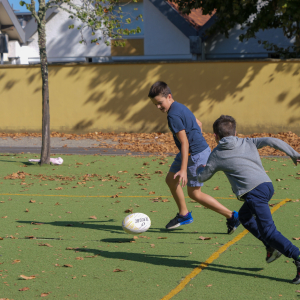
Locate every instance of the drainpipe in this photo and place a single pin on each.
(195, 46)
(3, 45)
(202, 50)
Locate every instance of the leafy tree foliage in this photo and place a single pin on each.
(252, 15)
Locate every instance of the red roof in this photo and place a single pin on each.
(195, 18)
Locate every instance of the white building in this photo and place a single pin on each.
(11, 28)
(166, 34)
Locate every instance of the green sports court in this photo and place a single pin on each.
(62, 237)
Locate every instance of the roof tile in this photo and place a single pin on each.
(195, 18)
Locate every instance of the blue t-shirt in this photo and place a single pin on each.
(181, 118)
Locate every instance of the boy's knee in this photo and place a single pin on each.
(194, 193)
(170, 180)
(191, 194)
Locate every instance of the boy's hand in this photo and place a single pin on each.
(199, 167)
(182, 177)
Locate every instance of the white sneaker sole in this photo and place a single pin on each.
(276, 254)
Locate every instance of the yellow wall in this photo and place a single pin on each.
(262, 96)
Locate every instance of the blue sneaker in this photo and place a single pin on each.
(180, 220)
(233, 223)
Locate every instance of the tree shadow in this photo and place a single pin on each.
(107, 226)
(96, 225)
(173, 261)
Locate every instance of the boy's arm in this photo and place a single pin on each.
(278, 145)
(200, 124)
(205, 172)
(181, 135)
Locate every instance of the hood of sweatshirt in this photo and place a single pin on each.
(228, 142)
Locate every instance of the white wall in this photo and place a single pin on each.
(161, 37)
(221, 47)
(64, 43)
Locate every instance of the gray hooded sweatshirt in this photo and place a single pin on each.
(239, 159)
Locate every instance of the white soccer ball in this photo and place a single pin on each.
(136, 223)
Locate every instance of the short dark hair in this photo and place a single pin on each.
(159, 88)
(224, 126)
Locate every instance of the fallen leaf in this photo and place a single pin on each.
(27, 277)
(24, 289)
(93, 217)
(152, 245)
(118, 270)
(151, 193)
(46, 244)
(35, 223)
(16, 261)
(79, 258)
(204, 238)
(45, 294)
(209, 285)
(32, 201)
(198, 205)
(216, 188)
(129, 210)
(26, 210)
(68, 266)
(297, 239)
(162, 237)
(59, 188)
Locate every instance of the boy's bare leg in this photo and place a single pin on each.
(177, 193)
(196, 194)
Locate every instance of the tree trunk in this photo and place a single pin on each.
(45, 153)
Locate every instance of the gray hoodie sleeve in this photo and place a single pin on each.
(205, 173)
(278, 145)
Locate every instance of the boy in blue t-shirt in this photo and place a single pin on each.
(194, 151)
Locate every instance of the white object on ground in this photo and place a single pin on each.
(136, 223)
(53, 160)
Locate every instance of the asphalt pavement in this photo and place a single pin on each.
(62, 146)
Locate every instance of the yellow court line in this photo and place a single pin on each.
(103, 196)
(214, 256)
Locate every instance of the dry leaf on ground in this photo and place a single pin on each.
(27, 277)
(204, 238)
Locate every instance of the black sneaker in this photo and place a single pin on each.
(296, 280)
(180, 220)
(233, 223)
(272, 254)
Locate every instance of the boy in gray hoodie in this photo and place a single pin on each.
(239, 159)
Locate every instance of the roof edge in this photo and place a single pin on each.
(174, 17)
(14, 20)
